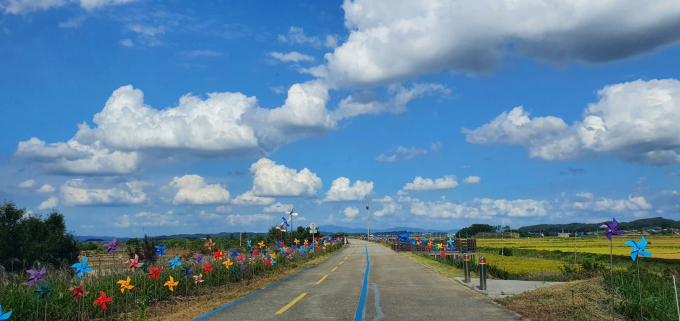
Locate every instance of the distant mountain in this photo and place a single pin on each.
(646, 223)
(349, 230)
(90, 238)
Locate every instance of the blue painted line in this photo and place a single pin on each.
(256, 292)
(362, 301)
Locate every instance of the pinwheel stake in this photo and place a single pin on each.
(612, 230)
(112, 246)
(639, 248)
(676, 277)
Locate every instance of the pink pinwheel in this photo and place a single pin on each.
(612, 229)
(35, 276)
(134, 263)
(112, 246)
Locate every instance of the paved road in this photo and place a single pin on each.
(397, 288)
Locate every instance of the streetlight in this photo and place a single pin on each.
(291, 224)
(368, 237)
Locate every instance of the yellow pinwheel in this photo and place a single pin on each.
(296, 242)
(438, 246)
(170, 284)
(125, 285)
(305, 241)
(273, 256)
(261, 244)
(228, 263)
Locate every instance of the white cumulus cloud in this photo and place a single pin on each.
(635, 121)
(270, 179)
(342, 191)
(77, 192)
(27, 184)
(192, 189)
(427, 184)
(49, 203)
(47, 188)
(472, 180)
(291, 57)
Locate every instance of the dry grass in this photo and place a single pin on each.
(190, 308)
(578, 300)
(445, 270)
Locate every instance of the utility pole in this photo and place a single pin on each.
(369, 222)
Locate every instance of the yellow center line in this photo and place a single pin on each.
(323, 278)
(342, 262)
(335, 268)
(346, 257)
(291, 303)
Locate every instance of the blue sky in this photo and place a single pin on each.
(189, 117)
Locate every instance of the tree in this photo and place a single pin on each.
(472, 230)
(33, 239)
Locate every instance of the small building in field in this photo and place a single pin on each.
(562, 234)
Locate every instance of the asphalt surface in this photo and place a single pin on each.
(397, 288)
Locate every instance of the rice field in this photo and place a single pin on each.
(667, 247)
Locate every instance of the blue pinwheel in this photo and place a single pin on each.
(234, 253)
(81, 268)
(4, 316)
(198, 258)
(303, 250)
(160, 250)
(638, 248)
(450, 241)
(452, 248)
(285, 222)
(612, 229)
(273, 262)
(278, 243)
(404, 237)
(175, 262)
(249, 245)
(294, 246)
(283, 249)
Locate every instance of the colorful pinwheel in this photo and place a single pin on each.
(612, 229)
(198, 278)
(125, 285)
(638, 248)
(160, 250)
(171, 283)
(209, 244)
(278, 244)
(234, 253)
(296, 242)
(81, 268)
(450, 241)
(267, 262)
(154, 272)
(443, 255)
(4, 316)
(218, 255)
(241, 259)
(175, 262)
(35, 276)
(244, 268)
(228, 263)
(112, 246)
(134, 263)
(102, 300)
(261, 244)
(78, 291)
(256, 252)
(198, 258)
(207, 269)
(43, 291)
(272, 261)
(249, 245)
(285, 222)
(187, 271)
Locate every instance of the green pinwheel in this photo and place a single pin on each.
(43, 291)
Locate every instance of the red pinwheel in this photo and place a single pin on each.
(443, 255)
(102, 300)
(154, 272)
(218, 255)
(207, 269)
(241, 259)
(256, 252)
(78, 291)
(134, 263)
(209, 244)
(267, 262)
